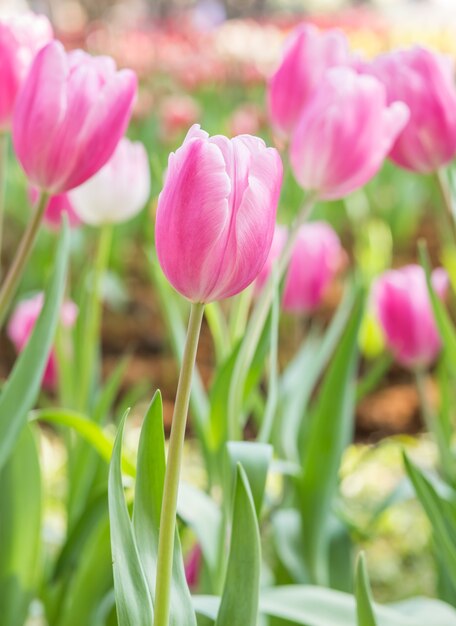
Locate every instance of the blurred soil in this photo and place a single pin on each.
(140, 331)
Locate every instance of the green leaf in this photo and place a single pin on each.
(20, 529)
(83, 589)
(91, 432)
(133, 600)
(441, 514)
(239, 603)
(255, 459)
(364, 610)
(305, 605)
(442, 318)
(21, 390)
(328, 435)
(295, 388)
(317, 606)
(147, 510)
(199, 511)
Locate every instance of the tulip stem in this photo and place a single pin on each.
(3, 168)
(16, 270)
(173, 468)
(92, 323)
(445, 192)
(256, 324)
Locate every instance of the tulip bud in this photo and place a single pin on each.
(316, 258)
(216, 214)
(21, 37)
(401, 302)
(424, 80)
(69, 117)
(21, 325)
(344, 134)
(308, 54)
(118, 191)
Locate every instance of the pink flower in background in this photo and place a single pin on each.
(316, 259)
(424, 80)
(55, 209)
(344, 134)
(308, 54)
(69, 116)
(21, 325)
(118, 191)
(177, 114)
(246, 120)
(278, 242)
(216, 214)
(21, 37)
(193, 564)
(401, 302)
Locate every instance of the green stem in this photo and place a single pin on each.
(3, 168)
(420, 378)
(16, 270)
(445, 192)
(373, 377)
(239, 314)
(173, 467)
(267, 426)
(256, 324)
(93, 317)
(218, 328)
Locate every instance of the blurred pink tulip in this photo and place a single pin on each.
(424, 80)
(344, 134)
(21, 37)
(278, 242)
(69, 117)
(401, 302)
(56, 208)
(316, 258)
(177, 114)
(216, 214)
(245, 120)
(308, 54)
(193, 566)
(21, 325)
(118, 191)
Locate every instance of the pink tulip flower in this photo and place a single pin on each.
(316, 258)
(424, 80)
(216, 214)
(21, 325)
(344, 134)
(55, 209)
(278, 242)
(118, 191)
(69, 117)
(308, 54)
(21, 37)
(401, 302)
(193, 566)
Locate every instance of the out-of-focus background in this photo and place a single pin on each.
(208, 62)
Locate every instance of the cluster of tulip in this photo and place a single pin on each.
(215, 235)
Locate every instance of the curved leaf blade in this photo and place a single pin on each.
(21, 390)
(240, 598)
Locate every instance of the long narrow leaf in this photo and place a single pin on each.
(133, 600)
(22, 388)
(239, 603)
(150, 478)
